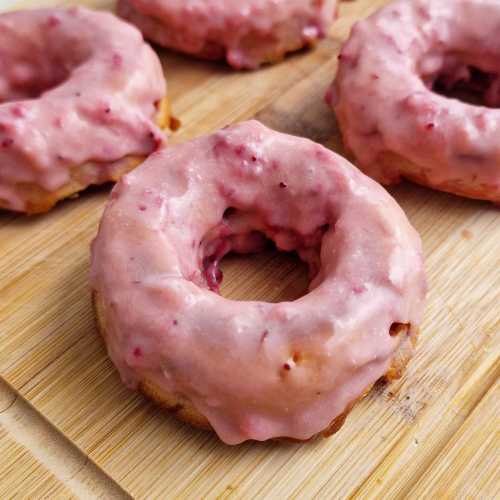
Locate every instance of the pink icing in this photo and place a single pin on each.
(384, 99)
(61, 108)
(256, 370)
(245, 32)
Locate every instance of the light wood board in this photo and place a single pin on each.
(69, 428)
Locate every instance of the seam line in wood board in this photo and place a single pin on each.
(437, 449)
(50, 363)
(53, 450)
(119, 421)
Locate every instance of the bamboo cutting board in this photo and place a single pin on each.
(69, 428)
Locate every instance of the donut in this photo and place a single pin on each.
(247, 33)
(72, 118)
(417, 92)
(255, 370)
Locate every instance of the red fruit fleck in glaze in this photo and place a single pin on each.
(156, 140)
(117, 60)
(240, 150)
(53, 21)
(17, 111)
(137, 352)
(7, 143)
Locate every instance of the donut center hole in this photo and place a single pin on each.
(468, 84)
(32, 65)
(22, 82)
(266, 276)
(265, 264)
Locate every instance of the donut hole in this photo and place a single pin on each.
(268, 265)
(268, 276)
(31, 65)
(466, 83)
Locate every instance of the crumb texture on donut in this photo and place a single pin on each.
(247, 33)
(255, 370)
(415, 91)
(69, 119)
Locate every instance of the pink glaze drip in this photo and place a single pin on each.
(245, 32)
(384, 101)
(256, 370)
(63, 108)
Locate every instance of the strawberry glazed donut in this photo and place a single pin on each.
(80, 92)
(247, 33)
(417, 93)
(255, 370)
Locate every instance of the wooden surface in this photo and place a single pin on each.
(69, 427)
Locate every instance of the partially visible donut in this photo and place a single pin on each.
(82, 97)
(255, 370)
(389, 102)
(247, 33)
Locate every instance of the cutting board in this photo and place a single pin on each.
(68, 427)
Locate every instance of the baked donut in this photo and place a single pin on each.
(71, 118)
(255, 370)
(247, 33)
(397, 95)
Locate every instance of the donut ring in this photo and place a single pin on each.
(69, 119)
(393, 121)
(246, 33)
(255, 370)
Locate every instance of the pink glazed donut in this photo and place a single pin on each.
(255, 370)
(80, 92)
(247, 33)
(397, 88)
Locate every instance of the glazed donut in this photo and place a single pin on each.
(71, 118)
(247, 33)
(396, 95)
(255, 370)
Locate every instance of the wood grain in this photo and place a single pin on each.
(473, 452)
(40, 462)
(430, 435)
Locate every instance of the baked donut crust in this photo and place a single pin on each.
(39, 200)
(184, 411)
